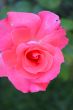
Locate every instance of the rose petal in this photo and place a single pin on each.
(49, 22)
(56, 38)
(24, 49)
(46, 59)
(2, 67)
(19, 81)
(29, 20)
(36, 87)
(21, 35)
(9, 58)
(24, 85)
(28, 75)
(5, 39)
(54, 71)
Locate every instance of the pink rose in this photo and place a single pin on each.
(30, 46)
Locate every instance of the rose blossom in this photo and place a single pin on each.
(30, 47)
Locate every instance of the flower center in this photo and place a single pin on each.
(33, 56)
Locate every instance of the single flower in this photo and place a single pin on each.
(30, 49)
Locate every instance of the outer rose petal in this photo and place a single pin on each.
(18, 80)
(9, 58)
(2, 67)
(28, 20)
(36, 87)
(50, 30)
(5, 39)
(21, 35)
(25, 85)
(49, 22)
(56, 38)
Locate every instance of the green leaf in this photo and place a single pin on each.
(22, 6)
(37, 8)
(4, 11)
(64, 74)
(49, 4)
(67, 24)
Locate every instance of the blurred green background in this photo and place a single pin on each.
(59, 94)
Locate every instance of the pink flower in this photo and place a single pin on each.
(30, 46)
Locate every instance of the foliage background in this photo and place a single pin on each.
(59, 94)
